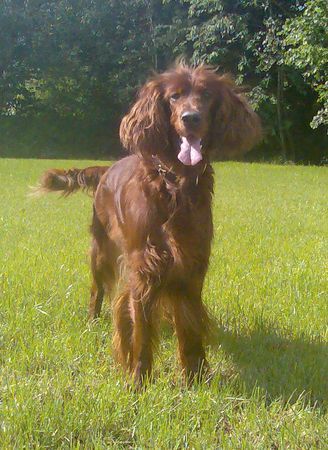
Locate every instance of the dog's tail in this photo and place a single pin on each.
(69, 181)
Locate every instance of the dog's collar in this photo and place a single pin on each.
(169, 176)
(164, 171)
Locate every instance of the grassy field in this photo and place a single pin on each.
(267, 286)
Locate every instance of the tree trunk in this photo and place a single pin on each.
(152, 34)
(280, 102)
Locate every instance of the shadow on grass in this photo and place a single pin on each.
(284, 368)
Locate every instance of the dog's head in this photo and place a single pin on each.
(185, 113)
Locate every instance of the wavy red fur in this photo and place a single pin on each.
(152, 223)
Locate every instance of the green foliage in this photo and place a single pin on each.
(83, 61)
(266, 286)
(70, 55)
(245, 38)
(307, 39)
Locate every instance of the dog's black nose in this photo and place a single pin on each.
(191, 118)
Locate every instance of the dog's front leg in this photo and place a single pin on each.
(143, 301)
(191, 323)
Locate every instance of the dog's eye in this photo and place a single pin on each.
(175, 96)
(206, 95)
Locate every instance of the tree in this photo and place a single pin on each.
(306, 38)
(244, 37)
(73, 63)
(70, 68)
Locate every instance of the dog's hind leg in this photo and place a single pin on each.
(192, 325)
(103, 254)
(98, 288)
(104, 278)
(123, 328)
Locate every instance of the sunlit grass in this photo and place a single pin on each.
(267, 286)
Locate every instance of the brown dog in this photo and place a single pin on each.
(152, 218)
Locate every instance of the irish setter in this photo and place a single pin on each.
(152, 222)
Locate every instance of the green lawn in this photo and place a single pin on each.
(267, 286)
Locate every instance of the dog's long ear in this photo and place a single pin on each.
(236, 127)
(145, 129)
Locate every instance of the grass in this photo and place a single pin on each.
(267, 286)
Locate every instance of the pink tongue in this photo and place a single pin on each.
(190, 151)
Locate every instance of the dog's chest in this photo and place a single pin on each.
(188, 233)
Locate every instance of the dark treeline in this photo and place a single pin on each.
(70, 68)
